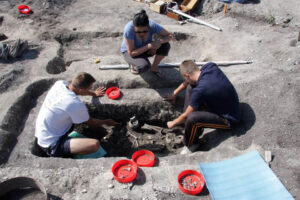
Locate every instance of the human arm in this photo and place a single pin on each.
(98, 122)
(172, 96)
(181, 119)
(165, 36)
(99, 92)
(135, 52)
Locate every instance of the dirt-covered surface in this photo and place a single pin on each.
(66, 36)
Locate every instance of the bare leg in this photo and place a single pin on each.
(157, 60)
(82, 146)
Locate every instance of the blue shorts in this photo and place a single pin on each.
(61, 148)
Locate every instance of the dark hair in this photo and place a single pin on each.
(141, 19)
(82, 80)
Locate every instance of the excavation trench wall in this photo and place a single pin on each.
(13, 122)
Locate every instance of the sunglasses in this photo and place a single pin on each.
(141, 31)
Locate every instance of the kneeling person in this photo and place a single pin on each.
(211, 101)
(60, 110)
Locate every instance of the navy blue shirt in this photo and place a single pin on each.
(214, 89)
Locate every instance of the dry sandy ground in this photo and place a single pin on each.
(65, 36)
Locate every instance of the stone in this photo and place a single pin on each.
(293, 43)
(84, 191)
(288, 20)
(47, 5)
(3, 37)
(28, 21)
(218, 7)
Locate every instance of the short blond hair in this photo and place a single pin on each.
(188, 67)
(82, 80)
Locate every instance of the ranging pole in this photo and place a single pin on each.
(195, 19)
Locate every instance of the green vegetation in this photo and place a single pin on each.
(271, 20)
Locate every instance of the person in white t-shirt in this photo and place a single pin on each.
(60, 110)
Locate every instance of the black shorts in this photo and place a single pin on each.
(60, 149)
(141, 62)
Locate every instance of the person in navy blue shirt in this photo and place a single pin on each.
(211, 101)
(137, 44)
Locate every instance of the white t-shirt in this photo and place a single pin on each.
(60, 110)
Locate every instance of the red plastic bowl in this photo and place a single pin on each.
(23, 9)
(124, 171)
(190, 182)
(143, 158)
(113, 92)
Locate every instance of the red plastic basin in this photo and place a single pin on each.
(124, 171)
(143, 158)
(24, 9)
(113, 92)
(190, 182)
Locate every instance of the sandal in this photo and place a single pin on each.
(133, 70)
(159, 74)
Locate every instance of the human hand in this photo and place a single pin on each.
(171, 36)
(170, 97)
(167, 38)
(171, 124)
(100, 91)
(154, 45)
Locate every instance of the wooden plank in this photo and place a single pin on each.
(188, 5)
(157, 6)
(173, 15)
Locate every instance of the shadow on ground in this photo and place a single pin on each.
(26, 194)
(214, 138)
(172, 78)
(27, 55)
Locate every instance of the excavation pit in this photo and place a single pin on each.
(18, 126)
(123, 141)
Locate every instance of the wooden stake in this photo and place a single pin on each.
(225, 8)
